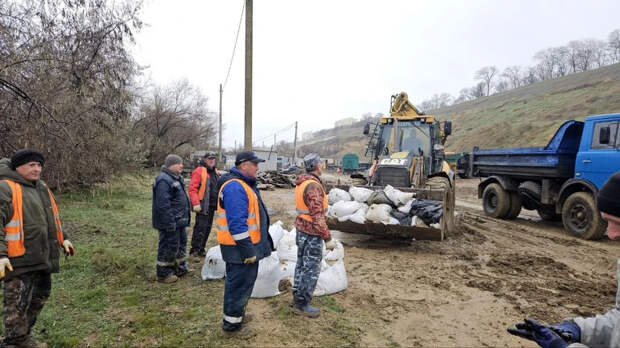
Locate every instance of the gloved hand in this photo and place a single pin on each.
(4, 265)
(568, 330)
(249, 260)
(69, 249)
(330, 244)
(197, 208)
(532, 330)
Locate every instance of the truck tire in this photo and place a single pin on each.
(548, 214)
(495, 201)
(581, 217)
(515, 205)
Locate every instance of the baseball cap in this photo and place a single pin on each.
(210, 154)
(245, 156)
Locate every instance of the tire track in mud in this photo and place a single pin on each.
(519, 264)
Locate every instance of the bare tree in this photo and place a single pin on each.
(502, 86)
(487, 74)
(513, 75)
(614, 44)
(66, 84)
(174, 119)
(478, 91)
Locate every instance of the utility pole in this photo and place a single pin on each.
(248, 75)
(274, 140)
(219, 157)
(295, 146)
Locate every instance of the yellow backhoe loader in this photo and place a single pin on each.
(407, 151)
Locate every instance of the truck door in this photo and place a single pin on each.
(599, 159)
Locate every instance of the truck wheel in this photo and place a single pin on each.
(581, 217)
(515, 205)
(495, 201)
(548, 214)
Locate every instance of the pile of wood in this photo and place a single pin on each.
(271, 179)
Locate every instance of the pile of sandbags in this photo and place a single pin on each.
(389, 206)
(280, 265)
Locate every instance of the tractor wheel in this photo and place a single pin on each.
(581, 217)
(495, 201)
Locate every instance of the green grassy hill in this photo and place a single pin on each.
(526, 116)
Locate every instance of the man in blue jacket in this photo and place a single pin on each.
(243, 235)
(171, 214)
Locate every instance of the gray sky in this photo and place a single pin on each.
(319, 61)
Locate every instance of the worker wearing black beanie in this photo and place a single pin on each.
(608, 201)
(24, 156)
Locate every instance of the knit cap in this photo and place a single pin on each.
(172, 159)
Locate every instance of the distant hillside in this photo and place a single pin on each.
(526, 116)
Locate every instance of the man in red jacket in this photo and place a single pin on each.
(203, 195)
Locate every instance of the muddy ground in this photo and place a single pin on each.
(466, 290)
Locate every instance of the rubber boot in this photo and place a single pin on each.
(306, 310)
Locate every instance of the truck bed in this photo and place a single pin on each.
(556, 160)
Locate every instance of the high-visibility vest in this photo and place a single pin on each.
(14, 230)
(204, 176)
(302, 208)
(223, 234)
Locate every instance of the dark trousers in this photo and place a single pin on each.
(171, 253)
(239, 284)
(201, 232)
(308, 267)
(24, 298)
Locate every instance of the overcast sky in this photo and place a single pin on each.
(319, 61)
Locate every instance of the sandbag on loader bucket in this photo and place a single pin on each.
(436, 189)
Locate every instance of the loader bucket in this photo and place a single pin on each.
(438, 190)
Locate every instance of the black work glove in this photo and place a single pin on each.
(543, 335)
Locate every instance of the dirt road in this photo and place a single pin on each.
(466, 290)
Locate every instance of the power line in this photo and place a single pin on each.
(276, 132)
(235, 46)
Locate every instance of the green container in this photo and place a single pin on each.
(350, 162)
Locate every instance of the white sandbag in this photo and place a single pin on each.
(436, 225)
(407, 207)
(333, 255)
(416, 221)
(379, 213)
(344, 208)
(287, 247)
(359, 217)
(287, 268)
(276, 232)
(214, 266)
(268, 278)
(337, 195)
(392, 221)
(332, 279)
(397, 196)
(360, 194)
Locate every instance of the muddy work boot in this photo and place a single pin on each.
(306, 310)
(247, 317)
(171, 278)
(195, 258)
(244, 332)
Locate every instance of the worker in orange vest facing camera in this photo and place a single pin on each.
(31, 238)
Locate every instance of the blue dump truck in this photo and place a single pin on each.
(559, 180)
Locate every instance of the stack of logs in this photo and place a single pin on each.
(271, 179)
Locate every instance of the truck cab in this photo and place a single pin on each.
(599, 151)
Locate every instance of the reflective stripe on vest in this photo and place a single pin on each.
(300, 205)
(223, 233)
(15, 228)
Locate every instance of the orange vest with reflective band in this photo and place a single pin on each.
(302, 208)
(223, 234)
(204, 176)
(14, 230)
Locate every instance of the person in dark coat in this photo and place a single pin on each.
(243, 234)
(171, 216)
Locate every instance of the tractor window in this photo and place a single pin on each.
(414, 136)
